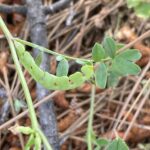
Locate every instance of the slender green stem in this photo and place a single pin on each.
(32, 113)
(50, 51)
(44, 139)
(20, 74)
(90, 122)
(43, 49)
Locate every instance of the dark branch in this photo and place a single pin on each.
(38, 35)
(8, 9)
(56, 6)
(3, 93)
(4, 111)
(36, 14)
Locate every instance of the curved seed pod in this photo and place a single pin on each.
(19, 47)
(46, 79)
(76, 80)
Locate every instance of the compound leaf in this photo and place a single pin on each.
(101, 75)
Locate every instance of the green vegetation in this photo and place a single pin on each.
(141, 7)
(104, 69)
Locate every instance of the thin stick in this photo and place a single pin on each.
(34, 121)
(10, 99)
(136, 114)
(140, 38)
(133, 105)
(5, 125)
(131, 94)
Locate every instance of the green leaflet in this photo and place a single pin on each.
(101, 142)
(47, 80)
(38, 59)
(133, 3)
(19, 104)
(109, 46)
(130, 54)
(87, 70)
(119, 46)
(62, 68)
(112, 79)
(81, 62)
(59, 58)
(117, 144)
(143, 10)
(98, 52)
(141, 7)
(124, 67)
(101, 75)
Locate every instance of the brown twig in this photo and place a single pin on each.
(23, 9)
(47, 98)
(138, 39)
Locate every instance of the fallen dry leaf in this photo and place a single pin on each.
(14, 148)
(64, 123)
(60, 100)
(3, 60)
(87, 87)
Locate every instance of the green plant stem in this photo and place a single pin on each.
(50, 51)
(43, 49)
(20, 74)
(44, 139)
(33, 118)
(90, 122)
